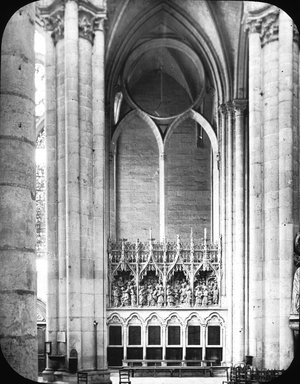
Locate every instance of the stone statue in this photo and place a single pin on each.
(125, 299)
(142, 296)
(205, 295)
(295, 292)
(170, 296)
(116, 296)
(215, 294)
(198, 295)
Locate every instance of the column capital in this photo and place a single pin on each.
(90, 18)
(223, 108)
(265, 24)
(229, 106)
(295, 33)
(240, 105)
(85, 26)
(55, 24)
(98, 22)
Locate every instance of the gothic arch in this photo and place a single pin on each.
(177, 16)
(172, 316)
(151, 317)
(220, 319)
(193, 315)
(132, 317)
(128, 119)
(201, 121)
(115, 318)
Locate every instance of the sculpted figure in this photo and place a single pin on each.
(150, 298)
(132, 295)
(116, 296)
(142, 296)
(170, 296)
(125, 299)
(188, 295)
(215, 294)
(198, 295)
(295, 292)
(205, 295)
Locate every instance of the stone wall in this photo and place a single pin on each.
(188, 183)
(137, 183)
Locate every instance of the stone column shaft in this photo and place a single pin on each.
(271, 200)
(238, 257)
(51, 191)
(223, 189)
(286, 184)
(162, 205)
(17, 189)
(255, 198)
(99, 233)
(86, 184)
(72, 178)
(228, 231)
(61, 191)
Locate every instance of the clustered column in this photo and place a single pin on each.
(273, 205)
(75, 134)
(17, 188)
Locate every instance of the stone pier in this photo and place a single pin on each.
(77, 156)
(17, 189)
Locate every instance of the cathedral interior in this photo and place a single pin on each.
(149, 178)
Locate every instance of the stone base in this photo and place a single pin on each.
(100, 376)
(48, 375)
(294, 322)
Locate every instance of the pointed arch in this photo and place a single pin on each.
(115, 318)
(134, 316)
(128, 119)
(201, 120)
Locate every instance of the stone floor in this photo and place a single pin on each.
(160, 380)
(169, 380)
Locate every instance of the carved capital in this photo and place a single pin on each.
(295, 34)
(240, 106)
(85, 25)
(55, 24)
(98, 23)
(253, 25)
(270, 27)
(265, 23)
(229, 107)
(223, 108)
